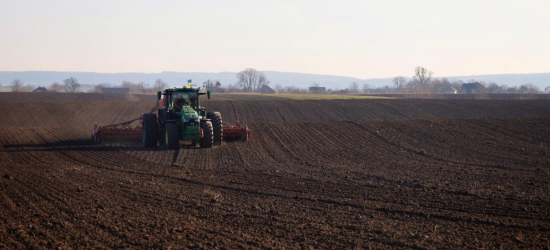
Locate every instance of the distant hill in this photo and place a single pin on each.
(301, 80)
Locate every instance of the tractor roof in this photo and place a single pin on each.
(200, 90)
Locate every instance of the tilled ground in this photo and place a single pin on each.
(321, 174)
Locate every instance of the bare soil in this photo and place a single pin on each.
(315, 174)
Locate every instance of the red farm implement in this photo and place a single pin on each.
(123, 131)
(235, 132)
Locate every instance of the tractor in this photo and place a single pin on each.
(180, 117)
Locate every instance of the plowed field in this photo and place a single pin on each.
(315, 174)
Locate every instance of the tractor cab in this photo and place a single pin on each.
(181, 99)
(175, 99)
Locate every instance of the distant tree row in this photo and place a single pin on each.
(423, 83)
(70, 85)
(135, 88)
(251, 80)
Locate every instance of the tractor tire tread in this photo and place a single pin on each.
(172, 135)
(216, 119)
(208, 140)
(150, 130)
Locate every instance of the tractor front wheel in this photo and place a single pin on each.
(207, 140)
(150, 130)
(172, 136)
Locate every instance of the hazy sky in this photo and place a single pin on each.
(363, 39)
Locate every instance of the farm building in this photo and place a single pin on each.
(267, 90)
(472, 88)
(40, 89)
(115, 90)
(317, 90)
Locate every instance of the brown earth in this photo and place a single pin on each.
(315, 174)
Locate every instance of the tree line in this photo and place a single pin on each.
(135, 88)
(70, 85)
(252, 80)
(422, 82)
(248, 80)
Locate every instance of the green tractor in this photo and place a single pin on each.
(180, 117)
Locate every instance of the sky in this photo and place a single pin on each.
(357, 38)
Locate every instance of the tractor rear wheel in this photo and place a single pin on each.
(207, 140)
(162, 136)
(216, 118)
(150, 130)
(172, 135)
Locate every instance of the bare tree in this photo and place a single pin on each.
(354, 87)
(492, 87)
(141, 87)
(511, 90)
(422, 75)
(528, 88)
(547, 89)
(28, 88)
(56, 87)
(421, 81)
(98, 88)
(19, 86)
(294, 90)
(247, 79)
(279, 88)
(232, 88)
(366, 88)
(209, 84)
(130, 85)
(159, 85)
(399, 82)
(71, 85)
(262, 80)
(251, 79)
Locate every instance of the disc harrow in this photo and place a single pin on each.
(235, 132)
(122, 131)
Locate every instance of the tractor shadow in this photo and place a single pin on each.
(81, 145)
(87, 145)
